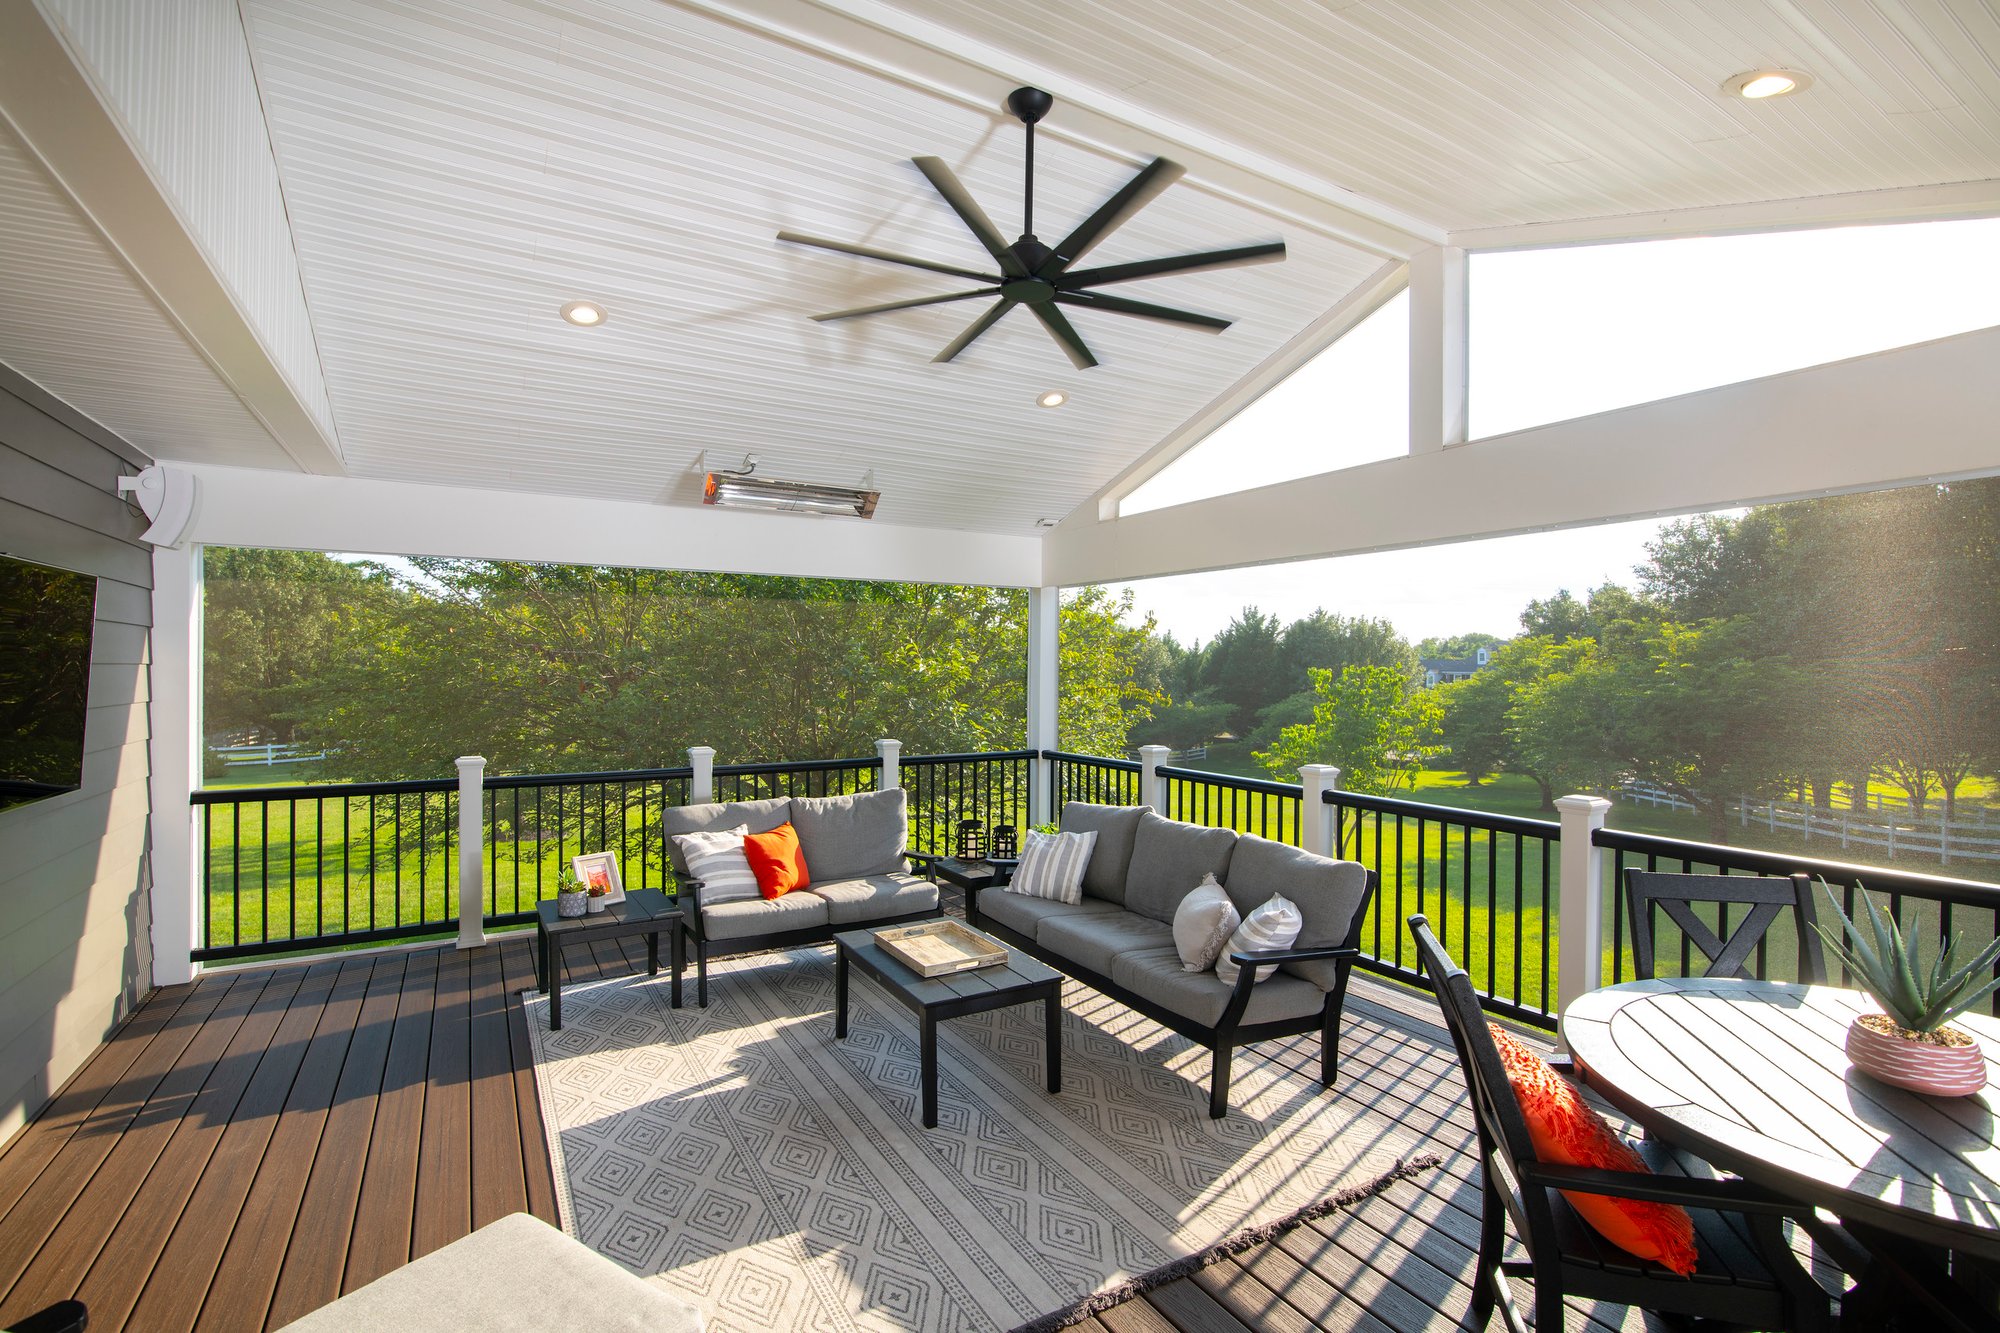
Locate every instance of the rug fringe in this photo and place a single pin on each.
(1078, 1311)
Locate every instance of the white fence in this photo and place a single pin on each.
(269, 756)
(1972, 837)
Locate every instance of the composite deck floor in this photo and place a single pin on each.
(247, 1147)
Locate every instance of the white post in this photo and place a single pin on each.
(892, 762)
(1151, 792)
(1437, 349)
(1580, 902)
(1044, 631)
(1316, 817)
(701, 790)
(176, 751)
(471, 851)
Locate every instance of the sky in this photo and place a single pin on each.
(1557, 334)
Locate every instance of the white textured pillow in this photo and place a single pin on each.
(1202, 925)
(1275, 925)
(717, 860)
(1052, 866)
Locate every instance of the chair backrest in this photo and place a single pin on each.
(1648, 892)
(1503, 1131)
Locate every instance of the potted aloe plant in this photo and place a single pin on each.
(1910, 1043)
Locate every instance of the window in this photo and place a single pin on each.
(1350, 404)
(1563, 333)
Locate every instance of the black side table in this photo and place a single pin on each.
(972, 876)
(644, 912)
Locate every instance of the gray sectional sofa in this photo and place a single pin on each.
(856, 849)
(1119, 938)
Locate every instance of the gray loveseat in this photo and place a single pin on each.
(1119, 938)
(856, 850)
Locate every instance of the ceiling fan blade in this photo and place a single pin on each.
(905, 305)
(867, 252)
(1118, 305)
(1064, 333)
(1267, 253)
(971, 214)
(1134, 195)
(977, 327)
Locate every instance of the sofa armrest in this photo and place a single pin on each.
(1266, 957)
(925, 862)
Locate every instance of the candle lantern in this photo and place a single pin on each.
(972, 840)
(1004, 846)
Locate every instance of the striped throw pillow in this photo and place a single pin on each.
(1275, 925)
(1052, 866)
(717, 860)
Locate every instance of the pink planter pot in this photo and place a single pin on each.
(1938, 1071)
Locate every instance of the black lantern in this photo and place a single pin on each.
(972, 840)
(1004, 846)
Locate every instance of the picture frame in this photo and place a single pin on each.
(600, 868)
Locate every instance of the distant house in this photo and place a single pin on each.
(1443, 670)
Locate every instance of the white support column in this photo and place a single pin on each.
(1437, 349)
(1044, 630)
(702, 789)
(892, 762)
(1580, 900)
(1151, 790)
(175, 749)
(471, 851)
(1316, 817)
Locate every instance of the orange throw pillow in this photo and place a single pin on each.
(1566, 1131)
(776, 861)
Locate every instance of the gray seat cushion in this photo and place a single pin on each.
(516, 1275)
(761, 816)
(873, 897)
(1115, 825)
(1018, 912)
(797, 910)
(1169, 859)
(844, 837)
(1327, 893)
(1095, 940)
(1155, 974)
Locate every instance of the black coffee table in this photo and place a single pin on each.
(644, 912)
(1019, 980)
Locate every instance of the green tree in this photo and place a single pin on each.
(1480, 720)
(1245, 667)
(271, 620)
(1337, 642)
(1457, 645)
(1369, 722)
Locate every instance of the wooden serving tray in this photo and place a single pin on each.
(937, 948)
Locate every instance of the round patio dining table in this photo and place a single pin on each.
(1752, 1075)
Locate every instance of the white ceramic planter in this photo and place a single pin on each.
(1920, 1066)
(597, 904)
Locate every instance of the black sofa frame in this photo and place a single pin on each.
(1230, 1031)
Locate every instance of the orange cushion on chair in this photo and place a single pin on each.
(776, 860)
(1567, 1132)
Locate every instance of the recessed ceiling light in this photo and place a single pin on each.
(1759, 84)
(585, 313)
(1053, 398)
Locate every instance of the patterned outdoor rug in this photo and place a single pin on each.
(777, 1178)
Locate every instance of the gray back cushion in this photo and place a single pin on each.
(1110, 860)
(1327, 893)
(761, 816)
(845, 836)
(1169, 859)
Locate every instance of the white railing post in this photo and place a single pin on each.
(1580, 903)
(892, 762)
(1044, 681)
(701, 788)
(1316, 816)
(471, 851)
(1151, 791)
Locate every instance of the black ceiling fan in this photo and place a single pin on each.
(1038, 276)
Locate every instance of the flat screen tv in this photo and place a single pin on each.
(45, 624)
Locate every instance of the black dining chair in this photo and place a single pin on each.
(1746, 1276)
(1648, 892)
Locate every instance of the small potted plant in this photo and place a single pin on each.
(599, 895)
(571, 900)
(1910, 1043)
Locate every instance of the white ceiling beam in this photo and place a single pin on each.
(1920, 203)
(286, 511)
(928, 55)
(1908, 415)
(47, 96)
(1438, 353)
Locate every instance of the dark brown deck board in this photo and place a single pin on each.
(444, 1187)
(389, 1179)
(539, 1172)
(499, 1186)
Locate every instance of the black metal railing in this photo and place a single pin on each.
(817, 777)
(1247, 805)
(1092, 778)
(535, 824)
(991, 786)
